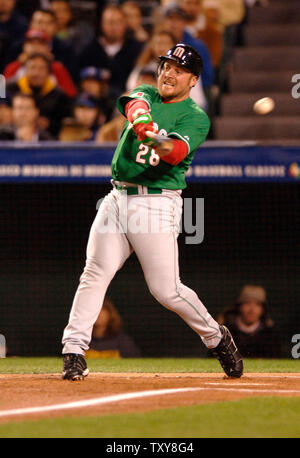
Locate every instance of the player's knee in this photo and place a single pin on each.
(167, 297)
(94, 271)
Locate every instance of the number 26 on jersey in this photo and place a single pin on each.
(143, 152)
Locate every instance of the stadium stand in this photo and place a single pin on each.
(264, 66)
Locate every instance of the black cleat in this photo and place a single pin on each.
(228, 355)
(75, 367)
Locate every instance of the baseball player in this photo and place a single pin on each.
(163, 130)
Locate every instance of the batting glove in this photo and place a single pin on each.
(141, 124)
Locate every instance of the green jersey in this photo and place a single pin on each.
(137, 163)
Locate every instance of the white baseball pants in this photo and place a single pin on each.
(148, 225)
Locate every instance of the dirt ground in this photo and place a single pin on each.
(27, 391)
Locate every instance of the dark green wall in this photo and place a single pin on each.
(251, 236)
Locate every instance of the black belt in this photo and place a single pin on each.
(133, 190)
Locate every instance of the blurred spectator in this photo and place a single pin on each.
(45, 21)
(111, 131)
(25, 114)
(147, 76)
(38, 42)
(5, 111)
(12, 28)
(160, 42)
(76, 34)
(25, 117)
(87, 113)
(204, 25)
(250, 324)
(95, 81)
(72, 131)
(52, 102)
(230, 16)
(113, 50)
(176, 21)
(87, 116)
(230, 11)
(166, 3)
(108, 338)
(134, 19)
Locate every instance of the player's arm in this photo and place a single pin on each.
(170, 150)
(136, 106)
(138, 114)
(174, 153)
(189, 133)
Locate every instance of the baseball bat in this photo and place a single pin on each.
(160, 140)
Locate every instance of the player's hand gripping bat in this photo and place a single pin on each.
(161, 143)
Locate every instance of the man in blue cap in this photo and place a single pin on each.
(95, 81)
(87, 113)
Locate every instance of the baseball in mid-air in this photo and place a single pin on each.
(264, 106)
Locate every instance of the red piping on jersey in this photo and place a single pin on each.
(165, 103)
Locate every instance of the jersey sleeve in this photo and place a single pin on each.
(144, 92)
(192, 130)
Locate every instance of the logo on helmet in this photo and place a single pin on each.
(179, 52)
